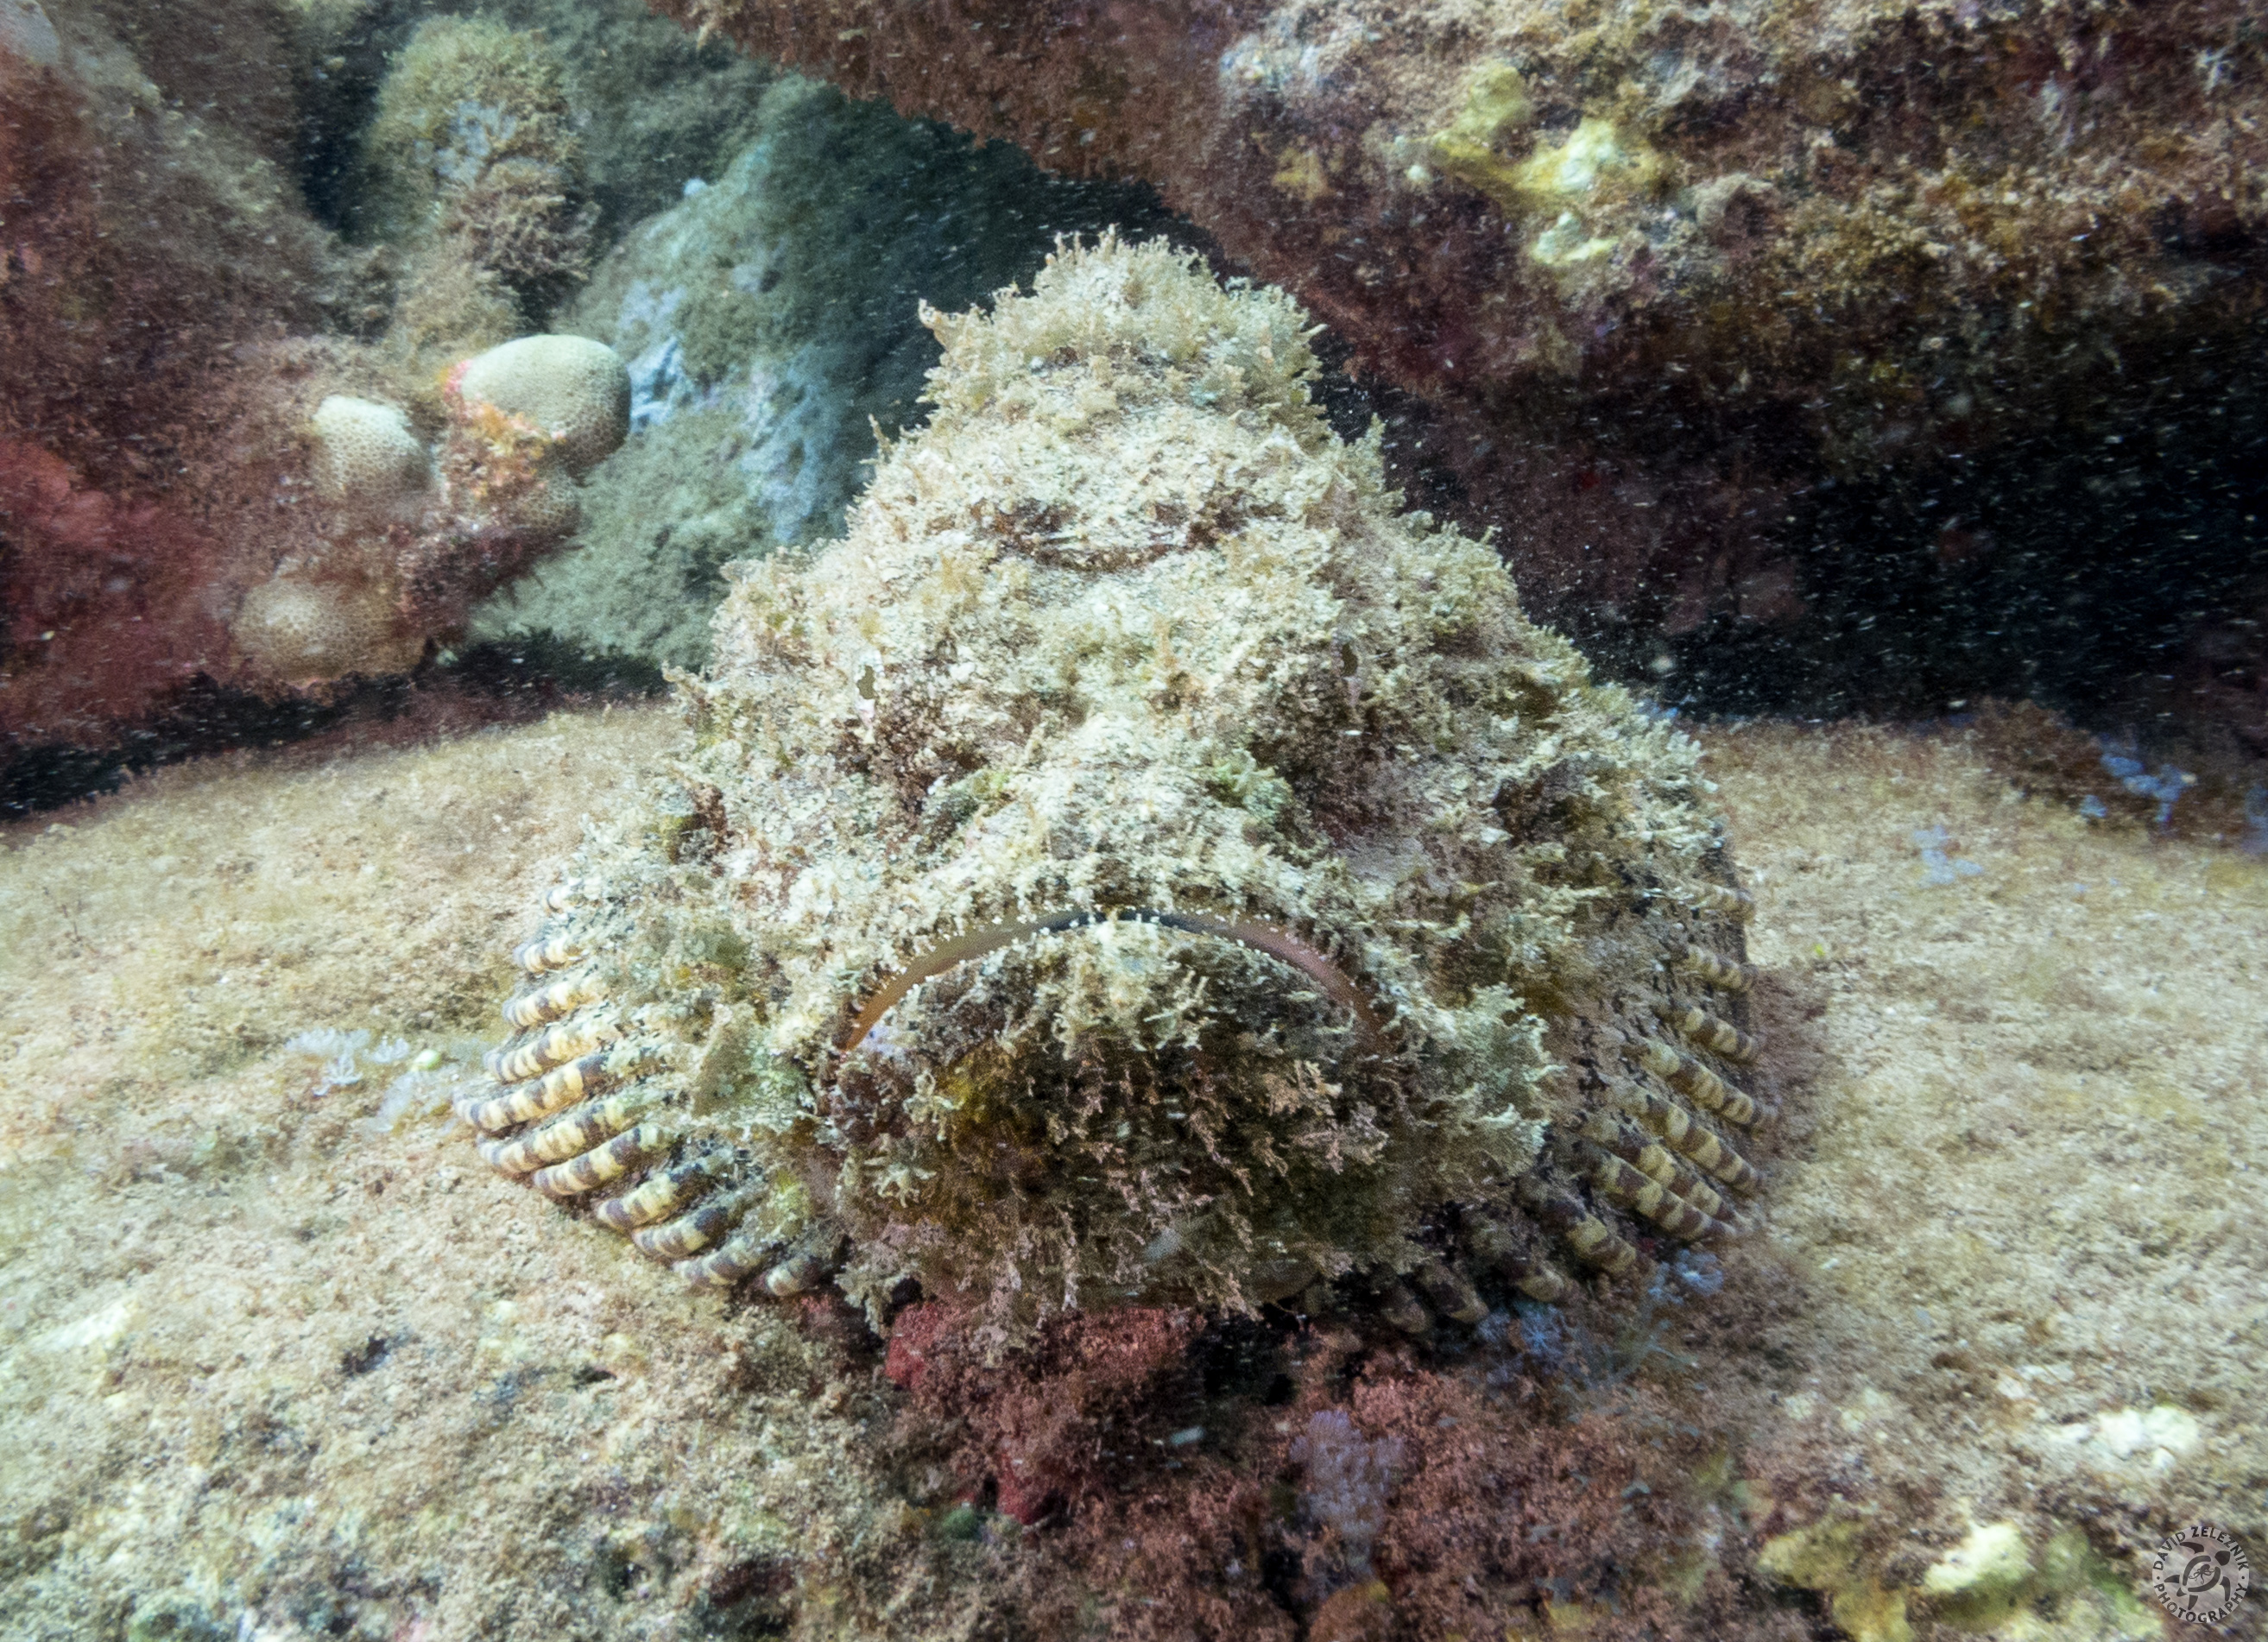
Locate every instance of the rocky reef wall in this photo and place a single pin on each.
(1795, 348)
(148, 250)
(190, 500)
(1878, 360)
(248, 259)
(771, 320)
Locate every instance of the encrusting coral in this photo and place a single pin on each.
(1137, 864)
(300, 626)
(367, 457)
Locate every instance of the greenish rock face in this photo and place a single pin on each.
(174, 1619)
(469, 105)
(771, 320)
(1140, 863)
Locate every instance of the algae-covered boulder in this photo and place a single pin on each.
(28, 40)
(471, 172)
(648, 105)
(466, 97)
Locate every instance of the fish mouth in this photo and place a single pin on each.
(1205, 1073)
(1371, 1025)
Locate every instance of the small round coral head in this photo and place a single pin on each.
(368, 463)
(575, 391)
(305, 627)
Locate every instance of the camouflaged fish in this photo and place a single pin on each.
(1139, 863)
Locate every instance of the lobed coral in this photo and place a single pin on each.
(300, 627)
(1140, 865)
(410, 537)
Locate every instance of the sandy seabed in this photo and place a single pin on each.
(279, 1358)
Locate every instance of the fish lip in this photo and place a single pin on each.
(1271, 938)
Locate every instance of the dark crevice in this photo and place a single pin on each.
(486, 683)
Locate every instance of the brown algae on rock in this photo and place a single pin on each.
(1138, 864)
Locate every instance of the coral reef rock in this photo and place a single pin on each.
(647, 106)
(1137, 864)
(229, 463)
(1667, 272)
(772, 321)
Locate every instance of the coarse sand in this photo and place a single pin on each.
(2023, 1210)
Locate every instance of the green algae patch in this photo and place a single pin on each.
(1991, 1583)
(2087, 1588)
(1495, 113)
(1597, 164)
(1302, 175)
(1588, 185)
(1582, 185)
(1576, 182)
(1829, 1557)
(964, 1524)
